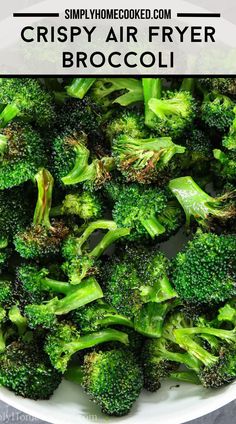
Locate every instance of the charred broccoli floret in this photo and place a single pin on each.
(21, 154)
(26, 370)
(42, 238)
(71, 162)
(112, 379)
(200, 205)
(144, 160)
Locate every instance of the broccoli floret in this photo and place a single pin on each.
(183, 344)
(112, 379)
(42, 238)
(223, 85)
(98, 315)
(7, 291)
(45, 313)
(81, 262)
(86, 205)
(27, 99)
(79, 116)
(229, 140)
(221, 373)
(71, 162)
(65, 340)
(217, 111)
(160, 358)
(4, 253)
(128, 123)
(169, 114)
(27, 371)
(124, 91)
(137, 286)
(22, 154)
(204, 272)
(144, 160)
(216, 368)
(198, 204)
(225, 165)
(143, 209)
(79, 87)
(198, 152)
(14, 211)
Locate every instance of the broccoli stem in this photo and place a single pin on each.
(8, 113)
(133, 86)
(3, 144)
(55, 286)
(107, 240)
(185, 376)
(187, 85)
(79, 87)
(93, 226)
(162, 108)
(153, 226)
(184, 338)
(75, 374)
(195, 201)
(87, 291)
(2, 336)
(19, 320)
(152, 88)
(42, 211)
(116, 319)
(81, 164)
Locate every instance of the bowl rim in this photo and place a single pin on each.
(183, 417)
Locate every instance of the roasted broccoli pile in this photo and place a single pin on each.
(117, 235)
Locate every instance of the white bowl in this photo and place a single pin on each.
(170, 405)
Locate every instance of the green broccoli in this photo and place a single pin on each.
(72, 166)
(85, 205)
(65, 340)
(136, 284)
(14, 211)
(27, 371)
(217, 111)
(79, 87)
(204, 272)
(79, 116)
(144, 160)
(225, 164)
(25, 98)
(198, 204)
(35, 281)
(42, 238)
(22, 154)
(168, 114)
(124, 91)
(147, 211)
(128, 123)
(112, 379)
(225, 86)
(98, 315)
(4, 253)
